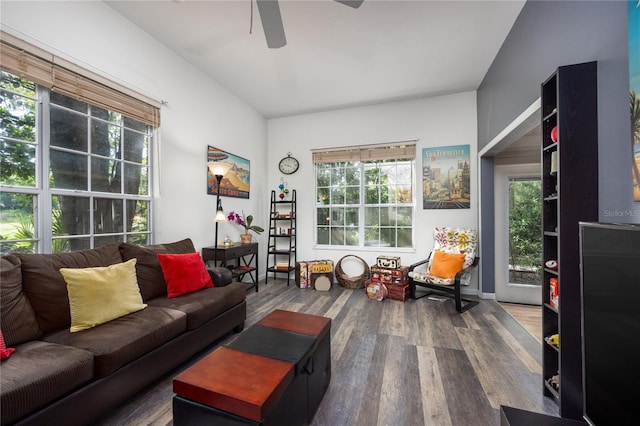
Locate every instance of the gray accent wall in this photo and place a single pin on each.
(487, 227)
(548, 34)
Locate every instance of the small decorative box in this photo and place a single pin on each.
(554, 292)
(308, 271)
(389, 262)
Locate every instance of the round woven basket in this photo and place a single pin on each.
(352, 282)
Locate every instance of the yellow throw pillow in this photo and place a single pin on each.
(446, 265)
(98, 295)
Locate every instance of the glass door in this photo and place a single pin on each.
(518, 234)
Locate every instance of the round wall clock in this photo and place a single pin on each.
(288, 165)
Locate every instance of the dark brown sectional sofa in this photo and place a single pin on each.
(56, 377)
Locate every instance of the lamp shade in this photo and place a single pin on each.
(218, 168)
(220, 216)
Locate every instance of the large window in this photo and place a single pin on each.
(365, 196)
(72, 175)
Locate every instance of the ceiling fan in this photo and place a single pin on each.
(272, 20)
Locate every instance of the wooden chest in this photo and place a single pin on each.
(397, 276)
(398, 292)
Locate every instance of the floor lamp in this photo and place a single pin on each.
(218, 169)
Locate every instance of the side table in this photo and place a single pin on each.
(241, 259)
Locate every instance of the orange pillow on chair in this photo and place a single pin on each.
(446, 265)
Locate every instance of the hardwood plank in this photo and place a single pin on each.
(370, 407)
(342, 330)
(413, 413)
(392, 318)
(438, 318)
(435, 409)
(400, 372)
(337, 305)
(493, 364)
(471, 322)
(466, 399)
(529, 362)
(419, 332)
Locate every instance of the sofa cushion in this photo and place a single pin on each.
(118, 342)
(4, 351)
(18, 320)
(184, 273)
(37, 374)
(150, 277)
(98, 295)
(205, 304)
(45, 287)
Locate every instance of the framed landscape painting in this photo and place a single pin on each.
(446, 177)
(236, 182)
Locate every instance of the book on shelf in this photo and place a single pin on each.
(243, 268)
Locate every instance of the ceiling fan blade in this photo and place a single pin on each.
(351, 3)
(272, 23)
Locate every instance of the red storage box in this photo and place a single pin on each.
(390, 276)
(398, 292)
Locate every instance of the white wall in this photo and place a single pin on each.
(438, 121)
(199, 111)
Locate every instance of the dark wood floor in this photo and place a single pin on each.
(397, 363)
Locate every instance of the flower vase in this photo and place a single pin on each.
(245, 238)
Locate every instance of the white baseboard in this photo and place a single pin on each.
(490, 296)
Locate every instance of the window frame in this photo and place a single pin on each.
(43, 238)
(351, 159)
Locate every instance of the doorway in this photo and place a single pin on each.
(515, 147)
(518, 237)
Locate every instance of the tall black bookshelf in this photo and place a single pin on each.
(569, 195)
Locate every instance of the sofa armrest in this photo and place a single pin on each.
(220, 275)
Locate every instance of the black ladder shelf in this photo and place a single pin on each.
(281, 249)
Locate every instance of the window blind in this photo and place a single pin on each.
(391, 151)
(46, 69)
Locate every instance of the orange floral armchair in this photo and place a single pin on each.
(448, 266)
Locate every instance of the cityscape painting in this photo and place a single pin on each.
(446, 182)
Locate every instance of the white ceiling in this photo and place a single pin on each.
(335, 56)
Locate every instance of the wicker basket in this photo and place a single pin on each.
(352, 282)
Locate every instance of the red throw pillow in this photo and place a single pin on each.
(4, 351)
(184, 273)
